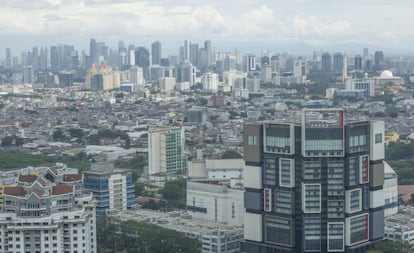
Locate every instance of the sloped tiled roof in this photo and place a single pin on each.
(62, 189)
(72, 177)
(27, 178)
(14, 191)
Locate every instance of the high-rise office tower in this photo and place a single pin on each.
(365, 53)
(194, 52)
(338, 63)
(93, 52)
(250, 63)
(166, 150)
(187, 50)
(378, 60)
(358, 63)
(122, 47)
(54, 57)
(209, 52)
(142, 60)
(326, 62)
(28, 74)
(156, 53)
(186, 72)
(314, 185)
(8, 58)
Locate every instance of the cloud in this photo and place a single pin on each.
(319, 21)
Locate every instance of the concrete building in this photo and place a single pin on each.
(102, 78)
(136, 75)
(315, 185)
(390, 191)
(166, 150)
(113, 189)
(400, 227)
(48, 213)
(167, 84)
(214, 237)
(210, 81)
(365, 84)
(220, 203)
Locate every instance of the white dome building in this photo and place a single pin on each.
(386, 74)
(387, 78)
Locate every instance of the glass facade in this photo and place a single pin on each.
(335, 178)
(286, 172)
(336, 236)
(359, 229)
(277, 139)
(312, 170)
(312, 230)
(311, 198)
(278, 230)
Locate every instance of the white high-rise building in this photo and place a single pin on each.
(210, 81)
(47, 213)
(136, 75)
(166, 150)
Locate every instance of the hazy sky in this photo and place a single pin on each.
(318, 23)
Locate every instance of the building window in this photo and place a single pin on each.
(312, 170)
(267, 200)
(311, 198)
(353, 171)
(283, 202)
(336, 236)
(278, 230)
(364, 169)
(233, 210)
(335, 178)
(251, 140)
(378, 138)
(359, 229)
(336, 209)
(286, 172)
(354, 201)
(270, 171)
(312, 228)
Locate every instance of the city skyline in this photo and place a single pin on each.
(296, 26)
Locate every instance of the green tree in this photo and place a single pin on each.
(7, 141)
(139, 188)
(58, 135)
(19, 141)
(174, 193)
(76, 133)
(391, 247)
(231, 154)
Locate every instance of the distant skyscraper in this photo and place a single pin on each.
(338, 63)
(142, 60)
(378, 60)
(209, 52)
(365, 53)
(186, 72)
(156, 53)
(358, 63)
(186, 50)
(93, 52)
(28, 74)
(121, 47)
(194, 52)
(8, 58)
(250, 63)
(54, 57)
(326, 62)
